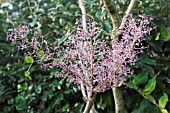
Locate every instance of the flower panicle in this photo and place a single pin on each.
(84, 58)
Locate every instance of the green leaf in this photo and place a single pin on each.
(30, 87)
(72, 6)
(67, 91)
(140, 78)
(100, 14)
(134, 76)
(107, 27)
(164, 111)
(25, 86)
(19, 88)
(39, 53)
(150, 86)
(165, 33)
(103, 106)
(38, 89)
(22, 87)
(29, 59)
(99, 102)
(148, 61)
(55, 83)
(157, 36)
(27, 74)
(144, 1)
(151, 98)
(59, 98)
(163, 100)
(21, 107)
(50, 94)
(62, 21)
(62, 40)
(131, 85)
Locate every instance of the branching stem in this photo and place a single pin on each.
(110, 8)
(90, 98)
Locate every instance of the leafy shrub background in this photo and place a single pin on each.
(47, 94)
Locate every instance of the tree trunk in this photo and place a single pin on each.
(118, 97)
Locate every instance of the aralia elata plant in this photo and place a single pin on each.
(85, 58)
(96, 64)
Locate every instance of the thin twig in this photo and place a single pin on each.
(30, 7)
(128, 11)
(83, 11)
(153, 102)
(112, 11)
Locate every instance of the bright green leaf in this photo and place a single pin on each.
(157, 36)
(27, 74)
(39, 53)
(29, 59)
(163, 100)
(164, 111)
(150, 86)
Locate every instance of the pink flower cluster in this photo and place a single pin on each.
(85, 58)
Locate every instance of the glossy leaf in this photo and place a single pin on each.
(27, 74)
(29, 59)
(38, 89)
(140, 78)
(131, 85)
(164, 111)
(163, 100)
(157, 36)
(39, 53)
(150, 86)
(19, 88)
(151, 98)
